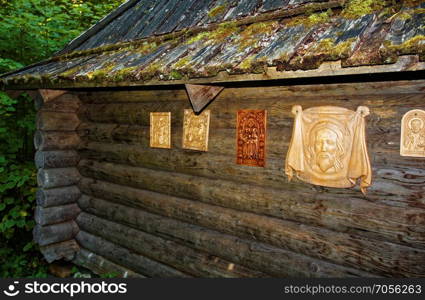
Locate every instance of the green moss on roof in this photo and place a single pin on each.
(182, 62)
(332, 51)
(357, 8)
(218, 10)
(123, 73)
(223, 31)
(176, 75)
(250, 35)
(312, 19)
(415, 45)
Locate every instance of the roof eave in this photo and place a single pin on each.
(405, 63)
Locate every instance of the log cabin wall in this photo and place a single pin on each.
(176, 212)
(56, 159)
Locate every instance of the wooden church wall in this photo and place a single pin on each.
(176, 212)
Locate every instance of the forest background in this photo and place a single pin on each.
(30, 31)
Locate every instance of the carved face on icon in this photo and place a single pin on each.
(412, 141)
(326, 147)
(416, 125)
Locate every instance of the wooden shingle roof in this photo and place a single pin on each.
(176, 41)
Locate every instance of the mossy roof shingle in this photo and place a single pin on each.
(171, 41)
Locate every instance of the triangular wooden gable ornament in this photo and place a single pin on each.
(201, 95)
(49, 95)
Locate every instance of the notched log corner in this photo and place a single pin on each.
(66, 250)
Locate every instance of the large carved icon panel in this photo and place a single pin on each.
(196, 130)
(412, 142)
(251, 137)
(328, 147)
(160, 129)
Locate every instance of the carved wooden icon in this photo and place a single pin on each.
(251, 137)
(328, 147)
(160, 130)
(412, 142)
(196, 130)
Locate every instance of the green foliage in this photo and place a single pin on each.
(17, 177)
(30, 31)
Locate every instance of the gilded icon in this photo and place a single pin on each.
(412, 141)
(160, 130)
(196, 130)
(328, 147)
(251, 137)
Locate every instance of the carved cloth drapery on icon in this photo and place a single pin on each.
(195, 130)
(412, 141)
(328, 147)
(160, 130)
(251, 137)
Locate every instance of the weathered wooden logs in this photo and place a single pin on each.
(67, 103)
(395, 187)
(56, 214)
(56, 140)
(62, 250)
(99, 265)
(183, 258)
(53, 178)
(57, 121)
(45, 235)
(275, 261)
(252, 92)
(317, 242)
(126, 258)
(56, 159)
(365, 218)
(57, 196)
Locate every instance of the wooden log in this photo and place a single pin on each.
(67, 103)
(57, 214)
(124, 257)
(222, 140)
(45, 235)
(62, 250)
(56, 159)
(353, 215)
(137, 113)
(55, 140)
(281, 92)
(101, 266)
(313, 241)
(253, 254)
(60, 177)
(183, 258)
(402, 186)
(57, 196)
(382, 117)
(59, 121)
(129, 96)
(84, 200)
